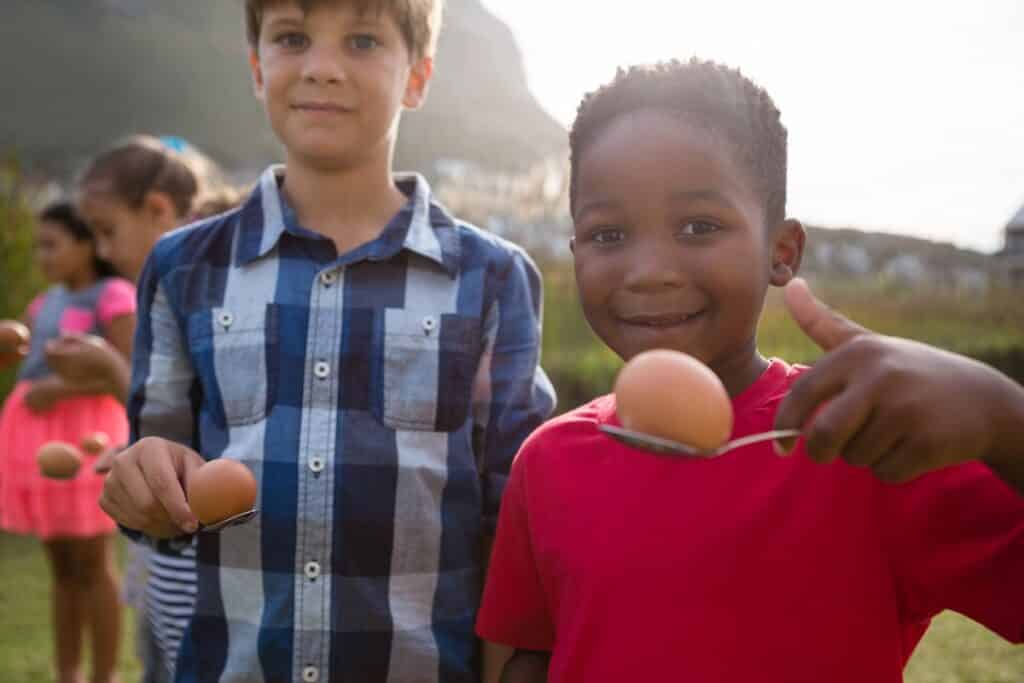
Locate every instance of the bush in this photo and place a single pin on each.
(19, 280)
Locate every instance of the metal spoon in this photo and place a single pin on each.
(234, 520)
(660, 446)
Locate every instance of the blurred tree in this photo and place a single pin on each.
(19, 280)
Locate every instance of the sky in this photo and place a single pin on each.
(904, 116)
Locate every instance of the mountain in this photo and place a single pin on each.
(78, 74)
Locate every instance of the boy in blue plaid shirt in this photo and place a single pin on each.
(373, 360)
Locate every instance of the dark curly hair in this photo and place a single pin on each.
(706, 94)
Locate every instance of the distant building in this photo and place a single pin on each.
(1012, 256)
(906, 269)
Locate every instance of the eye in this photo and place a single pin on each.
(607, 235)
(698, 228)
(291, 40)
(363, 42)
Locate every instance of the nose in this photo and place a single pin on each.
(655, 265)
(103, 248)
(323, 65)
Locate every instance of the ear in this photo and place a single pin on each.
(160, 209)
(787, 251)
(419, 81)
(257, 73)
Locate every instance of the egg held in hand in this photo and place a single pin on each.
(58, 460)
(221, 489)
(674, 396)
(95, 443)
(14, 342)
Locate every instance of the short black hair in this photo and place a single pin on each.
(704, 93)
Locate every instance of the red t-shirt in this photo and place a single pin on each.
(748, 567)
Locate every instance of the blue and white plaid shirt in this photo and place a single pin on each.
(379, 397)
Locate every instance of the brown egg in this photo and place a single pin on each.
(674, 396)
(95, 443)
(14, 342)
(220, 489)
(58, 460)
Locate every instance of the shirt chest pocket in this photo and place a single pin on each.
(425, 370)
(234, 352)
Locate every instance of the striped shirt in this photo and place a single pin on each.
(170, 600)
(379, 397)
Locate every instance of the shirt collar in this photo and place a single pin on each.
(423, 226)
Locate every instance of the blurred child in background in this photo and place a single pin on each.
(85, 298)
(132, 194)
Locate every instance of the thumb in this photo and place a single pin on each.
(825, 327)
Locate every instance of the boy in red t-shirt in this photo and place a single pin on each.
(612, 564)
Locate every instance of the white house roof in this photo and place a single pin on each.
(1018, 220)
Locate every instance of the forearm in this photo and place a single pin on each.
(526, 666)
(495, 657)
(1006, 457)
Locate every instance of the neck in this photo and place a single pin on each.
(738, 373)
(80, 281)
(351, 205)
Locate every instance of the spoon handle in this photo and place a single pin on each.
(757, 438)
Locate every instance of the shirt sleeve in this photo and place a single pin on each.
(512, 395)
(514, 610)
(33, 308)
(117, 299)
(956, 540)
(161, 402)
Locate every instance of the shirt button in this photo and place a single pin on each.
(225, 319)
(322, 370)
(316, 465)
(312, 570)
(328, 279)
(311, 674)
(429, 324)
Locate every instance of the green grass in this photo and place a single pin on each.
(955, 650)
(26, 644)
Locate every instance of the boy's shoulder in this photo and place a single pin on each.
(478, 248)
(570, 433)
(208, 240)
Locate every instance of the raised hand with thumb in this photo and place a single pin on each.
(899, 407)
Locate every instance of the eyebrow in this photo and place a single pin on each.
(682, 195)
(287, 21)
(703, 196)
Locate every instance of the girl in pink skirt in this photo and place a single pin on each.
(64, 514)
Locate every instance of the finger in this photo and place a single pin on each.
(191, 462)
(825, 327)
(837, 422)
(116, 502)
(105, 462)
(816, 385)
(869, 445)
(161, 463)
(899, 465)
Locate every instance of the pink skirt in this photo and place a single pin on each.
(47, 508)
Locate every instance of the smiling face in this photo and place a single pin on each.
(671, 247)
(334, 81)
